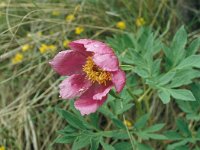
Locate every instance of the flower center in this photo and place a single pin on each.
(94, 73)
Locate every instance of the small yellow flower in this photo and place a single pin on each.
(139, 21)
(55, 13)
(66, 43)
(70, 18)
(79, 30)
(17, 58)
(43, 48)
(25, 47)
(52, 47)
(121, 25)
(2, 148)
(128, 123)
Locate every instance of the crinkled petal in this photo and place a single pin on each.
(107, 62)
(74, 86)
(68, 62)
(79, 45)
(88, 105)
(119, 80)
(98, 47)
(97, 91)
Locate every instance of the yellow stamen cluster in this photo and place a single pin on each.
(94, 73)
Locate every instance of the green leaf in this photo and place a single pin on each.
(180, 39)
(81, 141)
(141, 146)
(183, 127)
(155, 127)
(185, 106)
(177, 144)
(194, 46)
(106, 146)
(182, 94)
(114, 94)
(145, 135)
(118, 123)
(156, 136)
(191, 61)
(155, 67)
(164, 95)
(141, 72)
(184, 77)
(71, 119)
(164, 79)
(94, 120)
(178, 44)
(95, 143)
(141, 122)
(65, 139)
(123, 145)
(106, 111)
(117, 134)
(125, 108)
(67, 129)
(127, 67)
(172, 135)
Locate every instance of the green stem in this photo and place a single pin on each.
(145, 93)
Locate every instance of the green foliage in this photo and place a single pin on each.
(182, 136)
(178, 66)
(191, 109)
(164, 70)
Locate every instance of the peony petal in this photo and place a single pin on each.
(79, 45)
(74, 86)
(88, 105)
(68, 62)
(97, 91)
(119, 80)
(108, 62)
(98, 47)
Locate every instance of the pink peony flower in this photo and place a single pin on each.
(93, 69)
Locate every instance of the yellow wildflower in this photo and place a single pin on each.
(25, 47)
(17, 58)
(70, 18)
(55, 13)
(2, 148)
(139, 21)
(66, 43)
(128, 123)
(43, 48)
(52, 47)
(79, 30)
(121, 25)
